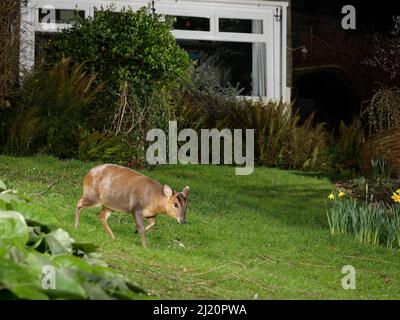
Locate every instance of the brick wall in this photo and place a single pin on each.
(384, 145)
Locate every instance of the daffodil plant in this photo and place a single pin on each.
(340, 195)
(396, 196)
(372, 223)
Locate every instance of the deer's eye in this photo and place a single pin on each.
(176, 205)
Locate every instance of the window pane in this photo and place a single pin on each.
(230, 62)
(191, 23)
(60, 15)
(240, 25)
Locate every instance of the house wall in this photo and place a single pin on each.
(273, 14)
(289, 53)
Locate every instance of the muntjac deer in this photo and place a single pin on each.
(118, 188)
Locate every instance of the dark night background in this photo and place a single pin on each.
(331, 80)
(370, 15)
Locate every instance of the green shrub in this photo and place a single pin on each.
(28, 243)
(53, 104)
(280, 139)
(61, 112)
(124, 141)
(383, 112)
(344, 147)
(103, 146)
(135, 114)
(136, 47)
(139, 60)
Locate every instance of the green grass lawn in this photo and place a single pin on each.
(263, 235)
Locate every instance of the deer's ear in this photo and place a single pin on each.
(168, 191)
(186, 191)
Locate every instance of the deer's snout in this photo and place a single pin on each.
(181, 220)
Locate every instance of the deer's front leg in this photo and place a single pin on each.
(151, 223)
(139, 221)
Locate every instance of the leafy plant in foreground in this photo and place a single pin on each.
(28, 244)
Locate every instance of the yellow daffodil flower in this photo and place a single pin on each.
(331, 196)
(341, 194)
(396, 197)
(398, 191)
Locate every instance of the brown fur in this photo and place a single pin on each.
(118, 188)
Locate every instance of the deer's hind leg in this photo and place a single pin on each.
(89, 199)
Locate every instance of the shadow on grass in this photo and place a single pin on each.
(270, 194)
(331, 176)
(294, 204)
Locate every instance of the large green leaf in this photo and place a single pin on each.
(59, 242)
(2, 186)
(109, 282)
(67, 283)
(88, 252)
(36, 237)
(37, 261)
(71, 262)
(5, 205)
(13, 195)
(94, 259)
(13, 228)
(121, 288)
(20, 280)
(34, 214)
(96, 292)
(3, 250)
(79, 271)
(86, 247)
(9, 197)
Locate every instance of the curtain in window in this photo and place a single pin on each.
(259, 64)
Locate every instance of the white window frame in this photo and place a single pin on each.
(55, 27)
(274, 32)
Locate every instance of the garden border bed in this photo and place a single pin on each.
(384, 145)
